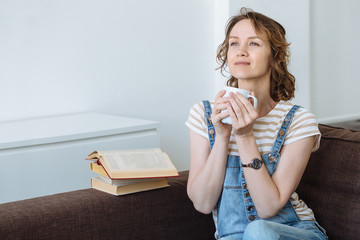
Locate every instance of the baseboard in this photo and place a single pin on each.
(343, 118)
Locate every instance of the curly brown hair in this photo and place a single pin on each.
(282, 82)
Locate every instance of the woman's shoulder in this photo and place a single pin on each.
(304, 124)
(196, 120)
(300, 114)
(199, 107)
(304, 116)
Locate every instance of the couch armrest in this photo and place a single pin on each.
(90, 214)
(330, 185)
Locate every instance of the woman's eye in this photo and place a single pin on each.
(233, 44)
(254, 44)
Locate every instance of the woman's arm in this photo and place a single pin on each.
(207, 168)
(207, 171)
(269, 193)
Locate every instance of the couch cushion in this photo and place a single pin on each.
(331, 183)
(90, 214)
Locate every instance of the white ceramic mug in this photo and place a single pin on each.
(243, 92)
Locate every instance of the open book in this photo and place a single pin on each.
(128, 164)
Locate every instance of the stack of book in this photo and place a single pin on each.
(128, 171)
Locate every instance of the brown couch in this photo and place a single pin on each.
(330, 186)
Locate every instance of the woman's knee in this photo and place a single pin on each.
(260, 229)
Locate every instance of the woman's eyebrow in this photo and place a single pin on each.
(251, 37)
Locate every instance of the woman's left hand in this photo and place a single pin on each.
(243, 115)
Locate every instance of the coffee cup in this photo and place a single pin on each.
(243, 92)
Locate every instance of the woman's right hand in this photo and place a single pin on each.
(221, 103)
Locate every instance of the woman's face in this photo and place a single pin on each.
(248, 54)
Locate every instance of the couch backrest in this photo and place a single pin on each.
(331, 183)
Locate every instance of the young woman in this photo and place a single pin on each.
(246, 173)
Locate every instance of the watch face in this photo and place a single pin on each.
(256, 163)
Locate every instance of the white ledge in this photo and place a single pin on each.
(70, 127)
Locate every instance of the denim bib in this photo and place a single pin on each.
(235, 208)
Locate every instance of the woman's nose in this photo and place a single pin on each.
(242, 51)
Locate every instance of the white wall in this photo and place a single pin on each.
(155, 59)
(144, 59)
(335, 61)
(221, 16)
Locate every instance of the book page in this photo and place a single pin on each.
(125, 182)
(137, 160)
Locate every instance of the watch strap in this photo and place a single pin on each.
(246, 165)
(251, 164)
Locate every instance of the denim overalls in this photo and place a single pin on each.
(235, 208)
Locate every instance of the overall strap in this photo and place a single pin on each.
(211, 129)
(282, 133)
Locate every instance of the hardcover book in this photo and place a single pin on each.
(128, 164)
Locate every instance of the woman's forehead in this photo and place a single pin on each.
(245, 29)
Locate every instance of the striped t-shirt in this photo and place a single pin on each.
(265, 131)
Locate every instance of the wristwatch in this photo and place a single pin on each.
(255, 164)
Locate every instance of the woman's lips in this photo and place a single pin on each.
(242, 63)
